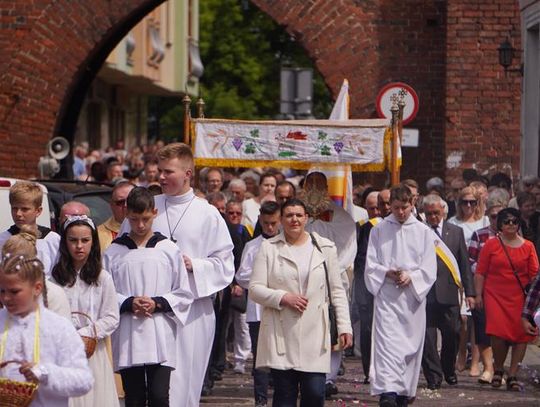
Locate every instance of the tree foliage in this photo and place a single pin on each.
(242, 50)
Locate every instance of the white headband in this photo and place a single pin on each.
(82, 218)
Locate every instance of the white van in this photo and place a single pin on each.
(5, 209)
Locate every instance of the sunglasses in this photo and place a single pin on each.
(120, 202)
(434, 213)
(234, 213)
(468, 202)
(510, 222)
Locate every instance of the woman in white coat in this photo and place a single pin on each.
(289, 281)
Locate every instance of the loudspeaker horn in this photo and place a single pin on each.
(58, 148)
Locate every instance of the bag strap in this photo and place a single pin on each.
(314, 242)
(512, 266)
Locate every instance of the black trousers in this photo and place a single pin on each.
(261, 378)
(217, 360)
(146, 384)
(446, 319)
(222, 310)
(366, 322)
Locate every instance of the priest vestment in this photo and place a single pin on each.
(341, 230)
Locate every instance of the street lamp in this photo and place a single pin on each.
(506, 57)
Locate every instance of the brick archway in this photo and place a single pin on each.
(50, 50)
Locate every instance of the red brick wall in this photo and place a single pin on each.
(446, 52)
(374, 43)
(482, 104)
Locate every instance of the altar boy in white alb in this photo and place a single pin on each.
(401, 267)
(153, 296)
(202, 236)
(25, 199)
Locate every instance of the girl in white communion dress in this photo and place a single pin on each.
(46, 347)
(90, 290)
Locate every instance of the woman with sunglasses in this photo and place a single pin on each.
(506, 266)
(470, 217)
(470, 214)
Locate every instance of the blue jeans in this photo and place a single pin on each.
(287, 383)
(260, 377)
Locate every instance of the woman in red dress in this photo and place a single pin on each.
(502, 294)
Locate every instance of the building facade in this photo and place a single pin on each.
(159, 57)
(530, 115)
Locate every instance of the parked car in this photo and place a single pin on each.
(6, 220)
(94, 195)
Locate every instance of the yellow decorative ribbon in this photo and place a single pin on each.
(449, 264)
(36, 338)
(298, 165)
(374, 221)
(250, 230)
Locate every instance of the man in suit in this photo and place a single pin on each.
(378, 207)
(443, 306)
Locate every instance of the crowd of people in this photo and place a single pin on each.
(195, 272)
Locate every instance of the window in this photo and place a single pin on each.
(156, 49)
(130, 47)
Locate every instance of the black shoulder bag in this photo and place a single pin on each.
(331, 308)
(528, 286)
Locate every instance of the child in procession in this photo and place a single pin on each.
(53, 296)
(152, 292)
(90, 290)
(25, 199)
(40, 346)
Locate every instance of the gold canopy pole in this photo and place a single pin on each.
(394, 166)
(401, 106)
(200, 108)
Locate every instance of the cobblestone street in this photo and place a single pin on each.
(236, 390)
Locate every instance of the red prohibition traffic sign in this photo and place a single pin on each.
(384, 101)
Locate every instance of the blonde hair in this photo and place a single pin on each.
(23, 243)
(479, 210)
(411, 183)
(27, 268)
(19, 256)
(24, 191)
(176, 150)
